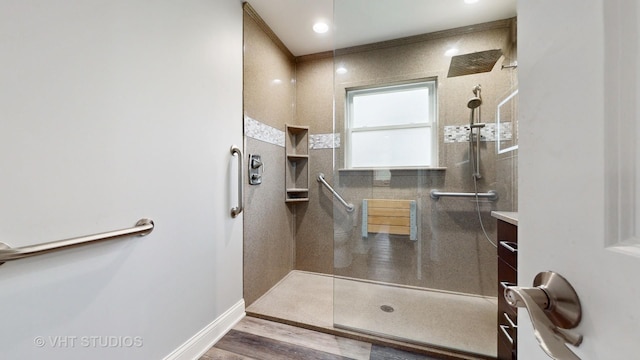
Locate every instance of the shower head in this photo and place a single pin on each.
(474, 102)
(473, 63)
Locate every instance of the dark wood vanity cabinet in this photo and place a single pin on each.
(507, 275)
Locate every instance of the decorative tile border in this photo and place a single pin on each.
(259, 131)
(455, 133)
(452, 134)
(263, 132)
(324, 141)
(506, 132)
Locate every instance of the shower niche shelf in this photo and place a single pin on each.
(296, 163)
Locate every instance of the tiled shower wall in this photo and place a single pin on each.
(451, 252)
(269, 95)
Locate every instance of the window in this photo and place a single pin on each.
(392, 126)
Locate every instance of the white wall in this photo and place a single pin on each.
(578, 75)
(111, 111)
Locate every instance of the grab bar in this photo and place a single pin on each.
(489, 195)
(349, 207)
(143, 227)
(235, 211)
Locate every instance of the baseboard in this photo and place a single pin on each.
(199, 343)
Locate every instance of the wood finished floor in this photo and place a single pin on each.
(258, 339)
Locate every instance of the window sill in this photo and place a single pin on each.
(393, 170)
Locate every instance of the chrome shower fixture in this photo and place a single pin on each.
(474, 63)
(476, 90)
(513, 65)
(474, 104)
(475, 101)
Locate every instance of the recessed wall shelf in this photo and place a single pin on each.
(296, 157)
(296, 163)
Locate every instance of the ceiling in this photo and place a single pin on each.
(359, 22)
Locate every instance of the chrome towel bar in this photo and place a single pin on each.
(348, 206)
(489, 195)
(7, 253)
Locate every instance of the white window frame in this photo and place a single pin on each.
(432, 122)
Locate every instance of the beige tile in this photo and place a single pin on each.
(314, 95)
(449, 320)
(268, 89)
(314, 220)
(300, 299)
(268, 237)
(443, 319)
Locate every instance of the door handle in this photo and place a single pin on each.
(235, 211)
(554, 307)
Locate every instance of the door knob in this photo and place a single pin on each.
(554, 308)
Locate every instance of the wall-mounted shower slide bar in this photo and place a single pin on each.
(348, 206)
(143, 227)
(489, 195)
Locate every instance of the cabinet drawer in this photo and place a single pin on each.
(506, 272)
(506, 277)
(508, 251)
(505, 349)
(506, 231)
(508, 322)
(506, 346)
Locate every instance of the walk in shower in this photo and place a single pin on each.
(421, 268)
(379, 248)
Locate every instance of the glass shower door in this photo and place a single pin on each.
(408, 266)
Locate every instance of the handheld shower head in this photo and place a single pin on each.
(474, 102)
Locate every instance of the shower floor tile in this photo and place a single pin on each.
(446, 320)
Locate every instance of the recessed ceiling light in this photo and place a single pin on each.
(320, 27)
(341, 70)
(470, 1)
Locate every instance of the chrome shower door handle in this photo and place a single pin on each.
(554, 307)
(235, 211)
